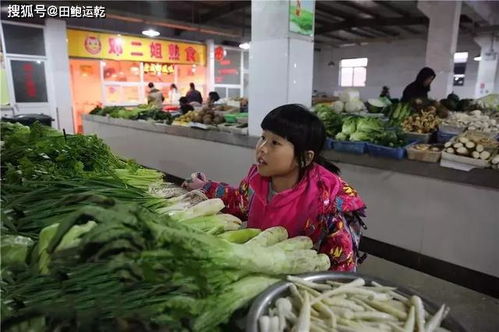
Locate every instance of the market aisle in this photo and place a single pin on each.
(475, 311)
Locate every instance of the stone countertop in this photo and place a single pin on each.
(478, 177)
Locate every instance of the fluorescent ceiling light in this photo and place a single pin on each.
(477, 58)
(244, 46)
(150, 33)
(460, 57)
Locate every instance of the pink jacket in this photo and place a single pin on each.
(321, 206)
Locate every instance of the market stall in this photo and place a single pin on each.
(181, 151)
(114, 69)
(118, 248)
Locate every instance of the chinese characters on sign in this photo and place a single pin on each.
(98, 45)
(158, 68)
(42, 11)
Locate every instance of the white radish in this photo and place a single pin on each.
(475, 154)
(420, 319)
(469, 145)
(479, 148)
(448, 144)
(411, 319)
(462, 151)
(435, 321)
(310, 284)
(450, 150)
(458, 145)
(274, 324)
(264, 323)
(303, 322)
(484, 155)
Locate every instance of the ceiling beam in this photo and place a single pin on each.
(394, 8)
(325, 6)
(358, 32)
(231, 7)
(372, 23)
(372, 13)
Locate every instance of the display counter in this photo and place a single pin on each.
(415, 210)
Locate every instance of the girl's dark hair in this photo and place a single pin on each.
(303, 129)
(173, 86)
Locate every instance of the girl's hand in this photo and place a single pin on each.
(197, 181)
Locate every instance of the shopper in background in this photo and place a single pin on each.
(185, 106)
(194, 95)
(155, 97)
(173, 95)
(212, 98)
(420, 87)
(294, 187)
(385, 92)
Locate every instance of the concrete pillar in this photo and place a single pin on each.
(59, 81)
(210, 65)
(487, 67)
(281, 62)
(441, 42)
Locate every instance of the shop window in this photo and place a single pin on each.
(191, 73)
(353, 72)
(23, 40)
(29, 81)
(121, 71)
(112, 94)
(460, 60)
(222, 92)
(228, 67)
(131, 94)
(233, 92)
(86, 86)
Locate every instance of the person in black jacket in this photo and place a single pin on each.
(194, 95)
(420, 87)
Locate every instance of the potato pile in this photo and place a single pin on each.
(208, 117)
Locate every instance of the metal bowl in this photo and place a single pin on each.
(262, 303)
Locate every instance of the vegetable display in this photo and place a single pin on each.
(423, 123)
(374, 130)
(109, 246)
(349, 307)
(472, 146)
(474, 120)
(141, 112)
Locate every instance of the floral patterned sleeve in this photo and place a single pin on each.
(236, 199)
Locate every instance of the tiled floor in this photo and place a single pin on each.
(475, 311)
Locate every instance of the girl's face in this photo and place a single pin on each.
(275, 155)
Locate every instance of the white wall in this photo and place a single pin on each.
(394, 64)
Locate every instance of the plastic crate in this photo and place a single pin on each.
(329, 144)
(349, 147)
(387, 152)
(443, 136)
(423, 138)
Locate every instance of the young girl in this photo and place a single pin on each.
(293, 186)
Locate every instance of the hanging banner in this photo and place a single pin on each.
(301, 16)
(89, 44)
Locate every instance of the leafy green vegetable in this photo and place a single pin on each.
(349, 125)
(15, 249)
